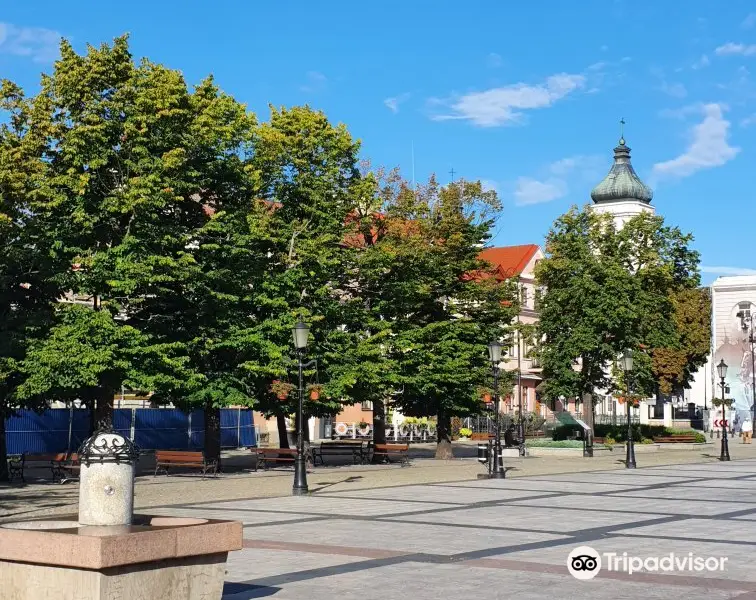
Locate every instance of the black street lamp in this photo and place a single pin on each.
(301, 333)
(722, 372)
(497, 470)
(626, 364)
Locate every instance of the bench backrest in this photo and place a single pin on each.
(178, 455)
(277, 450)
(340, 446)
(60, 456)
(396, 447)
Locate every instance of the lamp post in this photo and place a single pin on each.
(494, 353)
(521, 423)
(626, 364)
(300, 332)
(724, 453)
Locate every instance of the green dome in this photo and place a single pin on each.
(622, 182)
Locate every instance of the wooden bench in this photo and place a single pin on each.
(354, 449)
(676, 439)
(69, 468)
(599, 440)
(388, 450)
(481, 436)
(58, 463)
(265, 456)
(165, 459)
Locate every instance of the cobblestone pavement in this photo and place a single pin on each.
(435, 531)
(499, 539)
(43, 498)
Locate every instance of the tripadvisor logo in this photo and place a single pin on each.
(585, 563)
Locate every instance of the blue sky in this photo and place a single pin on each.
(524, 95)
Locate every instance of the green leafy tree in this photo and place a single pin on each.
(131, 163)
(308, 177)
(607, 290)
(27, 283)
(446, 306)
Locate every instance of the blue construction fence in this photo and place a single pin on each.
(64, 429)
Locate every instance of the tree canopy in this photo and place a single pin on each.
(608, 289)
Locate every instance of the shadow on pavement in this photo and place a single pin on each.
(246, 591)
(332, 483)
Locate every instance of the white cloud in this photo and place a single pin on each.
(701, 63)
(393, 103)
(489, 185)
(316, 82)
(748, 121)
(749, 21)
(708, 147)
(37, 43)
(555, 182)
(685, 111)
(505, 105)
(494, 60)
(728, 271)
(532, 191)
(731, 48)
(676, 90)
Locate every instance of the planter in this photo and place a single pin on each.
(281, 389)
(314, 395)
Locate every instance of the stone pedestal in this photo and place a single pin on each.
(155, 558)
(190, 578)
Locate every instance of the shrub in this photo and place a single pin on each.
(465, 432)
(536, 443)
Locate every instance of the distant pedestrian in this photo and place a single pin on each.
(747, 431)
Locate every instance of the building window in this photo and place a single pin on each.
(524, 297)
(367, 405)
(537, 296)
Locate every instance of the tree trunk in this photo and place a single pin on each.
(283, 437)
(379, 426)
(444, 449)
(3, 448)
(104, 409)
(212, 434)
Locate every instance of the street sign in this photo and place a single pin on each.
(720, 422)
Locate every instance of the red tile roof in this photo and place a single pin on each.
(509, 261)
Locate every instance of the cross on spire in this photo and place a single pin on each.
(622, 130)
(452, 174)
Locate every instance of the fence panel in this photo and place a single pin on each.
(122, 421)
(28, 431)
(63, 429)
(161, 428)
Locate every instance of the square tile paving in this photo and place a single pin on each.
(500, 539)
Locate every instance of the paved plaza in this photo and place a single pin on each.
(499, 539)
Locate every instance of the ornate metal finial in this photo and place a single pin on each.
(107, 445)
(622, 131)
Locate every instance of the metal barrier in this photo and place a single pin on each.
(64, 429)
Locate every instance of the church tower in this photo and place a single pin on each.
(621, 193)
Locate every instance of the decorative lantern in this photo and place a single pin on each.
(106, 483)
